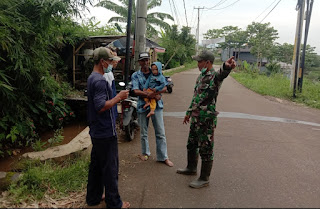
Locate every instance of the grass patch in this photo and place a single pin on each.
(58, 180)
(217, 61)
(279, 86)
(187, 66)
(313, 74)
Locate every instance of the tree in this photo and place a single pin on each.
(153, 19)
(261, 38)
(92, 28)
(238, 39)
(179, 46)
(283, 53)
(31, 34)
(219, 33)
(312, 59)
(234, 36)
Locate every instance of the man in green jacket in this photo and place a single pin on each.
(202, 112)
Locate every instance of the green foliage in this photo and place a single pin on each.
(217, 61)
(278, 85)
(32, 32)
(91, 28)
(312, 59)
(57, 138)
(273, 68)
(38, 145)
(234, 36)
(248, 68)
(187, 66)
(39, 178)
(310, 94)
(283, 53)
(314, 74)
(154, 18)
(179, 46)
(261, 39)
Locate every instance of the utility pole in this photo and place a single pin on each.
(297, 45)
(197, 36)
(140, 30)
(308, 18)
(127, 63)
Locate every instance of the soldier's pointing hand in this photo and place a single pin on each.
(230, 63)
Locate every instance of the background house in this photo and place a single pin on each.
(241, 54)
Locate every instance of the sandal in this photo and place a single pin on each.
(144, 157)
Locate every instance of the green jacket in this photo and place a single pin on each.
(203, 104)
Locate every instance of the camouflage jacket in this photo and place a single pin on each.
(203, 104)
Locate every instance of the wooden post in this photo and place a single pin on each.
(74, 66)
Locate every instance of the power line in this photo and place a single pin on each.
(266, 9)
(174, 21)
(224, 7)
(219, 3)
(185, 11)
(191, 20)
(175, 11)
(270, 11)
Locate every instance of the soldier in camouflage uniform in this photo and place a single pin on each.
(204, 117)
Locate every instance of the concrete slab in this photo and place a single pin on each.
(80, 142)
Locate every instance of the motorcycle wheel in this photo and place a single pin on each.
(129, 130)
(169, 89)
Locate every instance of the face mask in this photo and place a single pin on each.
(108, 69)
(204, 69)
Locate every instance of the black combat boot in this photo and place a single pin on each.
(203, 180)
(191, 168)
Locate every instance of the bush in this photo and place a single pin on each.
(248, 68)
(277, 85)
(31, 34)
(273, 68)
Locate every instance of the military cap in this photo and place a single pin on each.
(204, 55)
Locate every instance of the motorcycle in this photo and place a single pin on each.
(128, 114)
(170, 84)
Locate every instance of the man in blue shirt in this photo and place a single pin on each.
(104, 165)
(139, 79)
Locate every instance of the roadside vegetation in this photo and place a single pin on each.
(35, 75)
(186, 67)
(273, 78)
(49, 178)
(274, 83)
(33, 72)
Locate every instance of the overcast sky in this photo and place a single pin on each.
(242, 13)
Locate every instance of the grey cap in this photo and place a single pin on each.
(204, 55)
(144, 55)
(104, 53)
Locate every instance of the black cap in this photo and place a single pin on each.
(144, 55)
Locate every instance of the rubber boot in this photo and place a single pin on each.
(203, 180)
(191, 168)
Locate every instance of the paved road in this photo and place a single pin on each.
(268, 156)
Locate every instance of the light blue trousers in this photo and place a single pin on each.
(157, 121)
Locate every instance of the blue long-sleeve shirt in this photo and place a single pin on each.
(102, 125)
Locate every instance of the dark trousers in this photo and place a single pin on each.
(103, 173)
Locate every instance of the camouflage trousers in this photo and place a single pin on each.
(201, 137)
